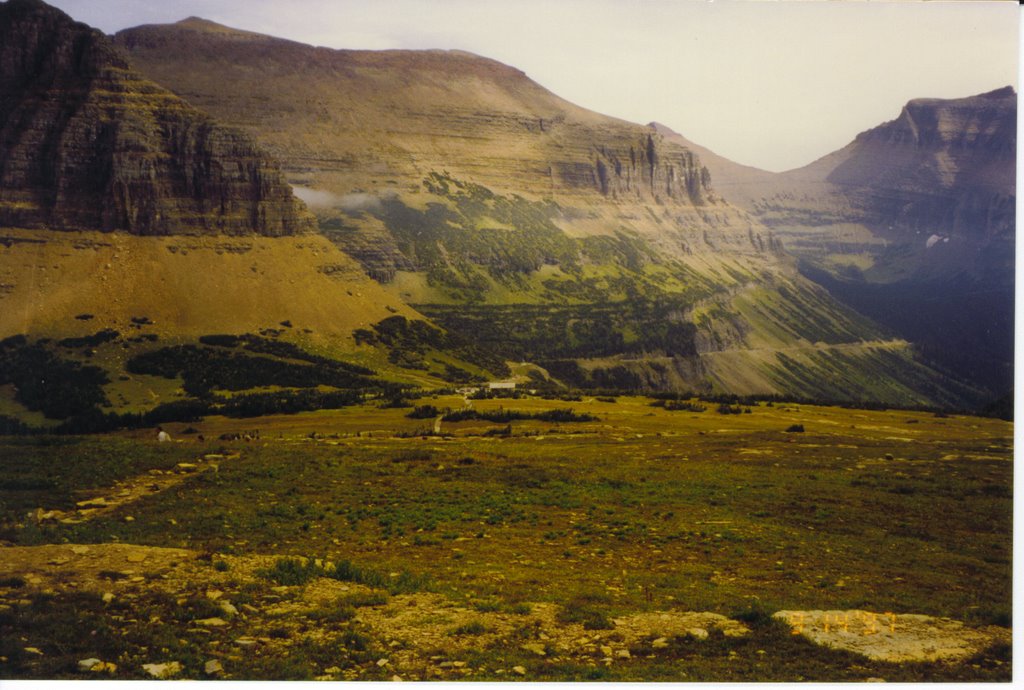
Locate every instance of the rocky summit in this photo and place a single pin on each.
(89, 144)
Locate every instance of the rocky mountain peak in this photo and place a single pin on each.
(986, 121)
(87, 143)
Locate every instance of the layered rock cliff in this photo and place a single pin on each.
(942, 166)
(86, 143)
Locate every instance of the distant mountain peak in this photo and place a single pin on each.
(199, 24)
(1004, 92)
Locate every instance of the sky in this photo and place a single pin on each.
(771, 83)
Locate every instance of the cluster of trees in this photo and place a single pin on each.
(204, 369)
(45, 382)
(409, 341)
(552, 332)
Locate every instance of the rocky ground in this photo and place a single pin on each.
(416, 636)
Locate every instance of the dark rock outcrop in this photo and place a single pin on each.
(86, 143)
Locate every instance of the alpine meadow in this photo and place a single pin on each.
(330, 363)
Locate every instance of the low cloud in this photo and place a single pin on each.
(316, 198)
(350, 203)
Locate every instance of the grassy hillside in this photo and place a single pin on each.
(80, 309)
(525, 544)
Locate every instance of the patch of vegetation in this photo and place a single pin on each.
(453, 245)
(555, 332)
(409, 341)
(293, 571)
(105, 336)
(589, 609)
(45, 382)
(424, 412)
(471, 628)
(204, 369)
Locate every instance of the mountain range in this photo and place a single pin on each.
(434, 217)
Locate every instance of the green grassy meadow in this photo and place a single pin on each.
(644, 510)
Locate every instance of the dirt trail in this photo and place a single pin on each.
(132, 489)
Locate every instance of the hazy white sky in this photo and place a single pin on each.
(774, 84)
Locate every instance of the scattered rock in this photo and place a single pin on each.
(382, 662)
(186, 466)
(88, 664)
(698, 633)
(520, 670)
(228, 608)
(636, 627)
(211, 622)
(34, 650)
(213, 667)
(622, 654)
(396, 679)
(535, 648)
(660, 643)
(161, 671)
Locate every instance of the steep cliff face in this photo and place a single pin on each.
(86, 143)
(945, 166)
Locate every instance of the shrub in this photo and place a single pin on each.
(583, 608)
(292, 571)
(473, 628)
(423, 412)
(795, 429)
